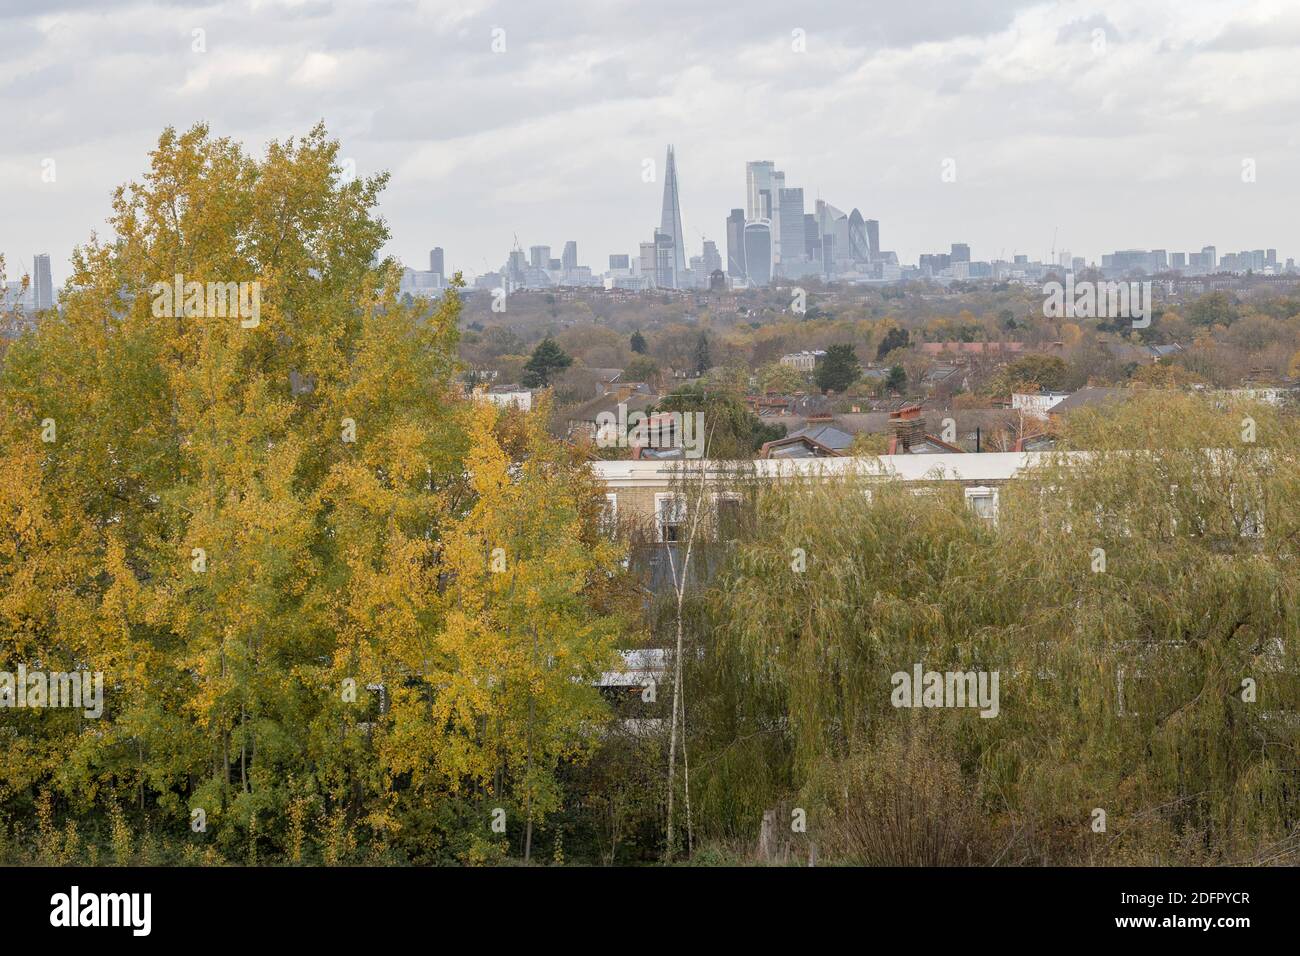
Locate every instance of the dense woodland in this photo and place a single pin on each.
(346, 614)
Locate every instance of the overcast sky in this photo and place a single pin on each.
(1125, 124)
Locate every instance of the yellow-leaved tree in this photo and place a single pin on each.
(241, 482)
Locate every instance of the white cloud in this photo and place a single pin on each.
(1140, 143)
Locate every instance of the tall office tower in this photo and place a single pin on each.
(736, 244)
(666, 253)
(960, 252)
(758, 183)
(1211, 255)
(1270, 258)
(435, 261)
(569, 259)
(670, 222)
(619, 260)
(790, 223)
(515, 267)
(1178, 260)
(42, 283)
(812, 239)
(710, 260)
(859, 246)
(646, 259)
(758, 251)
(539, 256)
(873, 238)
(778, 184)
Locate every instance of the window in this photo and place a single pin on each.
(609, 514)
(727, 509)
(670, 517)
(984, 502)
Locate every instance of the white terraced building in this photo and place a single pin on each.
(651, 490)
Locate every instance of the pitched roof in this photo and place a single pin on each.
(1091, 395)
(587, 411)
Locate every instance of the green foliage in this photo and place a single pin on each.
(547, 361)
(1215, 308)
(641, 369)
(838, 370)
(1044, 371)
(732, 431)
(1121, 688)
(702, 360)
(895, 338)
(274, 542)
(638, 343)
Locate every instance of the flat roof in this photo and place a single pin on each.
(985, 466)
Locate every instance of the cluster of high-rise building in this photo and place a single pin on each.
(775, 237)
(39, 294)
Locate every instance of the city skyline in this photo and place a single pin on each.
(1074, 119)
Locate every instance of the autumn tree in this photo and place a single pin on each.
(272, 531)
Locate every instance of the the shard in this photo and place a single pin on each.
(670, 223)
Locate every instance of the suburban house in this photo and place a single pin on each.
(804, 361)
(817, 440)
(1037, 404)
(503, 395)
(584, 420)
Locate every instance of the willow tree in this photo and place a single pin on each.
(1137, 597)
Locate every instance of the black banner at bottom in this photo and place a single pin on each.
(342, 905)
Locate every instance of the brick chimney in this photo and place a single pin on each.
(907, 425)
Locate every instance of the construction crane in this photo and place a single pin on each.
(1055, 230)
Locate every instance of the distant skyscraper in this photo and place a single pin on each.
(670, 222)
(435, 261)
(778, 184)
(42, 283)
(758, 252)
(858, 246)
(619, 261)
(710, 260)
(960, 252)
(569, 260)
(758, 189)
(515, 267)
(790, 223)
(666, 274)
(873, 237)
(736, 244)
(646, 261)
(812, 239)
(1211, 257)
(539, 256)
